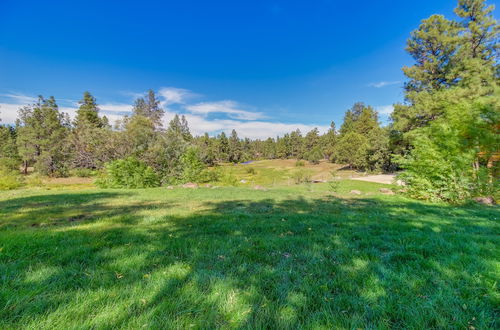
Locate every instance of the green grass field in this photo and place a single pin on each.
(290, 257)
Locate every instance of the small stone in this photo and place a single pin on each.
(190, 185)
(170, 187)
(356, 192)
(208, 185)
(386, 191)
(488, 200)
(243, 181)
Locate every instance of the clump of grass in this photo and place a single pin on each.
(10, 179)
(250, 170)
(300, 163)
(302, 176)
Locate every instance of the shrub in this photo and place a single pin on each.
(314, 156)
(34, 180)
(250, 170)
(334, 183)
(440, 166)
(10, 179)
(193, 168)
(302, 176)
(300, 163)
(82, 172)
(127, 173)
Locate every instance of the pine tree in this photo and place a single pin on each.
(149, 108)
(88, 112)
(235, 150)
(223, 147)
(41, 138)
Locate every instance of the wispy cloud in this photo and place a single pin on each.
(251, 124)
(228, 107)
(173, 95)
(385, 110)
(20, 98)
(381, 84)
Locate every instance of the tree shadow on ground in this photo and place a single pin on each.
(294, 263)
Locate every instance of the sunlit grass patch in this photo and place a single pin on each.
(299, 256)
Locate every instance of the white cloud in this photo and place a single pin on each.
(116, 107)
(227, 107)
(251, 129)
(8, 112)
(20, 98)
(173, 95)
(385, 110)
(381, 84)
(247, 123)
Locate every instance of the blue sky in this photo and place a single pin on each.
(263, 67)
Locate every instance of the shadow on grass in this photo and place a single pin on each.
(265, 263)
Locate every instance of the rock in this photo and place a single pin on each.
(190, 185)
(170, 187)
(243, 181)
(356, 192)
(488, 200)
(386, 191)
(257, 187)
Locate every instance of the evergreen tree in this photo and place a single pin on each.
(90, 136)
(149, 108)
(88, 112)
(41, 138)
(235, 150)
(223, 147)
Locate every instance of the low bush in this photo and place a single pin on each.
(82, 172)
(10, 179)
(300, 163)
(127, 173)
(302, 176)
(250, 170)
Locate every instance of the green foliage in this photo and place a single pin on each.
(10, 179)
(42, 137)
(352, 149)
(128, 173)
(194, 170)
(334, 183)
(250, 170)
(440, 166)
(302, 176)
(315, 155)
(300, 163)
(82, 172)
(226, 177)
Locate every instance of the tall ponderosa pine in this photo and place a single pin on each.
(90, 136)
(42, 132)
(235, 150)
(444, 125)
(149, 107)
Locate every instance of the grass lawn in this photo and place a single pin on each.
(233, 257)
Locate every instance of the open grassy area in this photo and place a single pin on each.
(279, 172)
(233, 257)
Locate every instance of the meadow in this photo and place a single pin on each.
(292, 256)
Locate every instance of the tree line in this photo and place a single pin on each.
(49, 141)
(444, 136)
